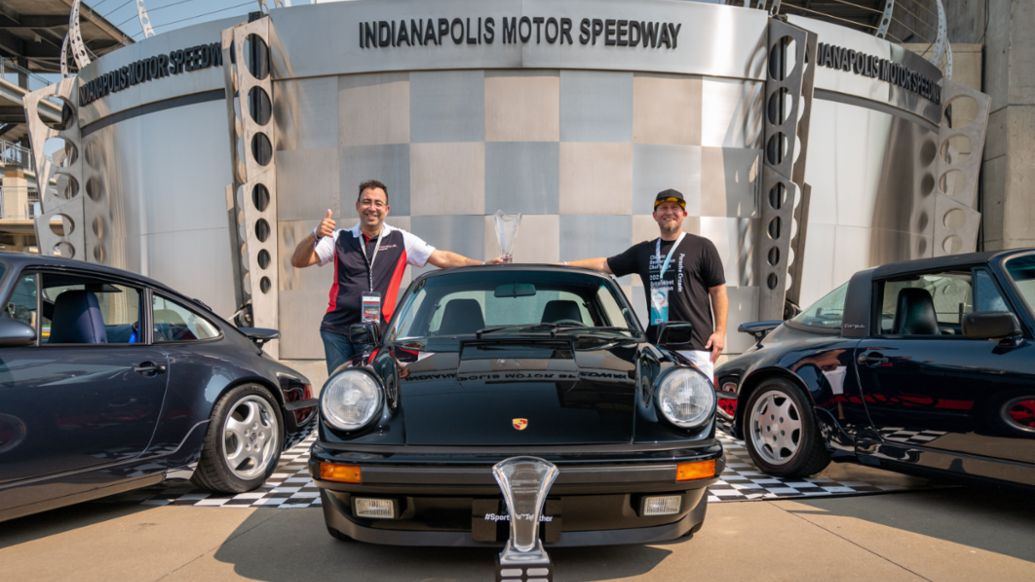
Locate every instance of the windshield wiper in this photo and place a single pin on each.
(525, 327)
(553, 328)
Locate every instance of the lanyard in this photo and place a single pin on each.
(370, 260)
(671, 251)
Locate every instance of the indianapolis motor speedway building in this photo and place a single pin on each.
(807, 150)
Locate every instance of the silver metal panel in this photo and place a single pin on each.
(447, 106)
(460, 234)
(734, 239)
(730, 182)
(585, 116)
(819, 263)
(733, 113)
(195, 262)
(743, 308)
(594, 236)
(447, 178)
(307, 113)
(186, 83)
(388, 163)
(657, 167)
(303, 294)
(864, 87)
(522, 177)
(308, 182)
(337, 24)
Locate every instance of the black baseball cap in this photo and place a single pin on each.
(670, 195)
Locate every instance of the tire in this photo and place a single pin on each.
(781, 433)
(243, 442)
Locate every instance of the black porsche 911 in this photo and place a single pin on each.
(481, 364)
(923, 366)
(110, 381)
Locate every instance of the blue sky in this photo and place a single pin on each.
(168, 15)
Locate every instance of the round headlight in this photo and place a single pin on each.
(686, 398)
(350, 400)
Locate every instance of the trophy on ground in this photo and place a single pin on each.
(506, 234)
(525, 482)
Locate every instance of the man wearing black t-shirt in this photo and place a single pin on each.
(369, 261)
(682, 276)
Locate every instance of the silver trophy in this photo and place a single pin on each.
(524, 481)
(506, 234)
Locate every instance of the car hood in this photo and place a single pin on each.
(500, 393)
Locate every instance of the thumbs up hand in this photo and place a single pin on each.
(326, 226)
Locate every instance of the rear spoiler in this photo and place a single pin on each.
(260, 335)
(759, 329)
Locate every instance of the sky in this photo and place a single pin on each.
(169, 15)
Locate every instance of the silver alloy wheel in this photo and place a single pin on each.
(775, 427)
(250, 437)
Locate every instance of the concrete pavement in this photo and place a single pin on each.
(947, 534)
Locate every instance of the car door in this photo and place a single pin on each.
(925, 386)
(87, 395)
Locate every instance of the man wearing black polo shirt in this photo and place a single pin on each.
(369, 261)
(682, 276)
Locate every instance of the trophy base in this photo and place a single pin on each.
(533, 567)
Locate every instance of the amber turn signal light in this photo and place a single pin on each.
(340, 473)
(695, 470)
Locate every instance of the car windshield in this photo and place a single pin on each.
(828, 312)
(494, 302)
(1022, 271)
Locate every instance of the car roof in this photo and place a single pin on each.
(21, 260)
(936, 263)
(542, 267)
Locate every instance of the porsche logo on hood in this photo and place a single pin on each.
(519, 423)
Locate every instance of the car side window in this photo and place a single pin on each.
(987, 296)
(930, 304)
(175, 323)
(22, 305)
(87, 310)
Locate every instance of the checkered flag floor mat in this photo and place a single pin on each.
(291, 487)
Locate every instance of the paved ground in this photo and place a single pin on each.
(922, 534)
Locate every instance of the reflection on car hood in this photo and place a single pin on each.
(541, 393)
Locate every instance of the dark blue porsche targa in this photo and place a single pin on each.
(110, 381)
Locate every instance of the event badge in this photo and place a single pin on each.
(658, 306)
(371, 307)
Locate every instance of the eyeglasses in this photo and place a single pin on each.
(372, 202)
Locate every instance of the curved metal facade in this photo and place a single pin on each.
(577, 137)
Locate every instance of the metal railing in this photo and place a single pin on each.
(15, 155)
(902, 21)
(18, 75)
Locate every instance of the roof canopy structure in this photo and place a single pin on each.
(32, 32)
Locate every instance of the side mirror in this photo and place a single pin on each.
(991, 325)
(675, 335)
(260, 335)
(759, 329)
(15, 333)
(366, 333)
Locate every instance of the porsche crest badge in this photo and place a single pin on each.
(519, 423)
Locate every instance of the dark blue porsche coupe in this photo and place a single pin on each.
(924, 366)
(110, 381)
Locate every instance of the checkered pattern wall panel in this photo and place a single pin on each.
(579, 153)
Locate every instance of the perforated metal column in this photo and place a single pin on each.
(784, 204)
(961, 139)
(61, 227)
(249, 94)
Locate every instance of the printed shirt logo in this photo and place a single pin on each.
(519, 423)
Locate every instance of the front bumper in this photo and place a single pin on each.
(449, 499)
